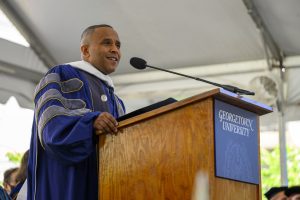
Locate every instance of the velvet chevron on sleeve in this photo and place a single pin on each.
(63, 154)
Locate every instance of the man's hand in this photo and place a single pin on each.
(105, 123)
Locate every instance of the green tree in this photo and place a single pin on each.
(270, 167)
(14, 157)
(293, 163)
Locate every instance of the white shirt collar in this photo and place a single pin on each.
(87, 67)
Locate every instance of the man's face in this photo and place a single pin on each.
(294, 197)
(103, 50)
(12, 182)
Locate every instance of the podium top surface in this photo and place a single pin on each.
(218, 93)
(243, 102)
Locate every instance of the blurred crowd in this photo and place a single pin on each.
(15, 186)
(283, 193)
(13, 181)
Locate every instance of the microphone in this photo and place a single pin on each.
(140, 64)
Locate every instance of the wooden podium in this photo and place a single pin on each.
(157, 155)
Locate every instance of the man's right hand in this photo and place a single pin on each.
(105, 123)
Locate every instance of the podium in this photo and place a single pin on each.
(156, 155)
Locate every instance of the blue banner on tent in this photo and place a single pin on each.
(236, 143)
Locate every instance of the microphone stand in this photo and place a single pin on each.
(226, 87)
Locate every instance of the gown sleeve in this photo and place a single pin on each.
(64, 116)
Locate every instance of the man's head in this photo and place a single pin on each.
(9, 181)
(276, 193)
(293, 193)
(100, 46)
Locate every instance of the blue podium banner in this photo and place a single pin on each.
(236, 143)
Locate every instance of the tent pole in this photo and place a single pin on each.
(282, 132)
(282, 149)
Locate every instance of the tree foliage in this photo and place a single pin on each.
(14, 157)
(270, 167)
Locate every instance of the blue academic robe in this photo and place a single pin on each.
(63, 153)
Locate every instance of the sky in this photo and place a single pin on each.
(15, 122)
(9, 32)
(15, 131)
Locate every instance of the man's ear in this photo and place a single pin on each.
(85, 51)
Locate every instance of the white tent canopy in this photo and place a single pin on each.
(251, 44)
(239, 42)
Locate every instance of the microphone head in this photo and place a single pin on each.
(138, 63)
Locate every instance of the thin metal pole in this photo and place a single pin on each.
(282, 131)
(282, 148)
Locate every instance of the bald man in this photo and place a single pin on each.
(293, 193)
(73, 103)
